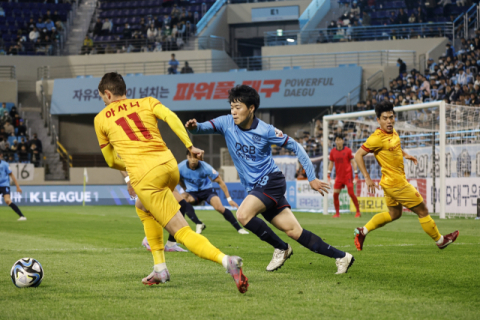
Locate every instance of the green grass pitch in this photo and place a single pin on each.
(94, 263)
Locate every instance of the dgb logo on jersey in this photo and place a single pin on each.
(245, 152)
(257, 139)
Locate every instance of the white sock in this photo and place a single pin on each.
(159, 267)
(170, 244)
(365, 231)
(225, 261)
(440, 241)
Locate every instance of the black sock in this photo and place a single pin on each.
(316, 244)
(228, 215)
(171, 238)
(263, 231)
(15, 208)
(188, 208)
(183, 211)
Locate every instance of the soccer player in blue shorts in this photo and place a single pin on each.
(5, 174)
(196, 179)
(248, 141)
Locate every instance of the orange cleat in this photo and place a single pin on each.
(234, 268)
(336, 215)
(359, 238)
(358, 215)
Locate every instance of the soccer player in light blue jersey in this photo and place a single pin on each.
(248, 141)
(196, 179)
(5, 174)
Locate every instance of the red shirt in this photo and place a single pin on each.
(342, 158)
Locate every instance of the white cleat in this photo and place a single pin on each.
(22, 219)
(242, 231)
(201, 227)
(279, 258)
(343, 264)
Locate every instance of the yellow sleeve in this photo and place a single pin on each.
(108, 151)
(373, 143)
(166, 115)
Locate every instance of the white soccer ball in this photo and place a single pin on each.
(27, 272)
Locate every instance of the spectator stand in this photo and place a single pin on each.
(145, 26)
(51, 20)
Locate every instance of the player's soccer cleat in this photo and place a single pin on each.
(343, 264)
(242, 231)
(359, 238)
(201, 227)
(234, 268)
(22, 219)
(157, 277)
(145, 244)
(175, 248)
(336, 215)
(358, 215)
(448, 239)
(279, 258)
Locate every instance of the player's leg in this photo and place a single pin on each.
(154, 235)
(411, 198)
(216, 203)
(189, 200)
(157, 197)
(8, 201)
(336, 201)
(247, 216)
(352, 195)
(379, 220)
(288, 223)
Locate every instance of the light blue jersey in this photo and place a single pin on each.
(4, 174)
(198, 179)
(251, 149)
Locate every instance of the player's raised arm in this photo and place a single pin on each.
(207, 127)
(168, 116)
(299, 151)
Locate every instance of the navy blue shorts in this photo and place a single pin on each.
(203, 195)
(4, 190)
(271, 191)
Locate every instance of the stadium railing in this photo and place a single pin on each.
(360, 33)
(209, 15)
(8, 72)
(320, 60)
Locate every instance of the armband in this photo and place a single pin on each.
(127, 179)
(229, 199)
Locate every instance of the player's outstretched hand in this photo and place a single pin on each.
(320, 186)
(371, 185)
(131, 192)
(233, 204)
(411, 158)
(191, 124)
(197, 153)
(19, 190)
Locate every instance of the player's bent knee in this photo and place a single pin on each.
(294, 233)
(8, 202)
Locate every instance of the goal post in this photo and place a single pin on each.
(414, 123)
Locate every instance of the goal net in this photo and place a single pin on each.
(444, 138)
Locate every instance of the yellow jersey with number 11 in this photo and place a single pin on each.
(130, 126)
(387, 149)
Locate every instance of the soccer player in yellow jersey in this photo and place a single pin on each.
(130, 140)
(385, 144)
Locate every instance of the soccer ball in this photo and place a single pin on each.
(27, 272)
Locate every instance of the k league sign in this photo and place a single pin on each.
(209, 91)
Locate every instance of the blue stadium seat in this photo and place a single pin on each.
(233, 70)
(287, 68)
(242, 70)
(296, 67)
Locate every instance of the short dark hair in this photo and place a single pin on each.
(384, 106)
(338, 136)
(244, 94)
(114, 83)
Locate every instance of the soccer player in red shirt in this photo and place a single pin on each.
(343, 159)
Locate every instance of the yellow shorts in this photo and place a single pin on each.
(155, 191)
(407, 196)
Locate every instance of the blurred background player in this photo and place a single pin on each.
(5, 174)
(249, 142)
(196, 179)
(343, 159)
(128, 135)
(385, 144)
(171, 245)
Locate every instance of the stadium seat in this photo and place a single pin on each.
(287, 68)
(233, 70)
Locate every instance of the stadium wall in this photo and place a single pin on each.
(9, 91)
(434, 45)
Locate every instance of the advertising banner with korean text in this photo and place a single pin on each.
(209, 91)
